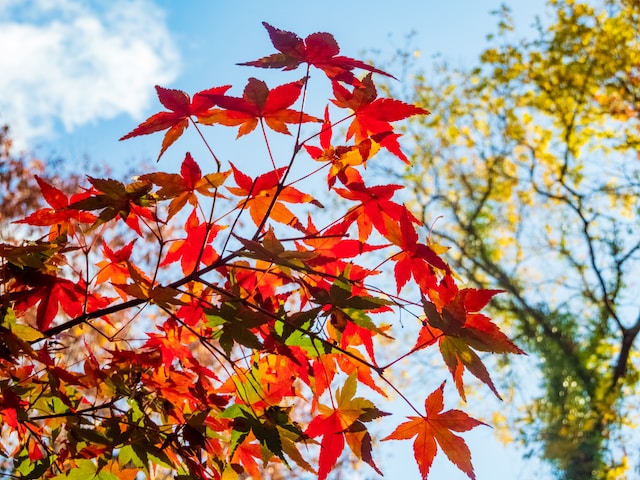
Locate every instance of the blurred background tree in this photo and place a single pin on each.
(17, 184)
(532, 159)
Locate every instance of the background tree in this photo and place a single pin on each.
(533, 156)
(17, 184)
(208, 325)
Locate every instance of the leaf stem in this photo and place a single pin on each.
(218, 164)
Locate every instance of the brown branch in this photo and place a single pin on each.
(73, 413)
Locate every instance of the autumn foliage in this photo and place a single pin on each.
(209, 324)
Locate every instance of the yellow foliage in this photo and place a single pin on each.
(501, 427)
(619, 472)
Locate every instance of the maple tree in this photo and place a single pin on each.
(531, 157)
(199, 324)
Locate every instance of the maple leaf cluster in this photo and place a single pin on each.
(200, 323)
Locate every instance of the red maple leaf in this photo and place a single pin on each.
(343, 159)
(182, 108)
(51, 293)
(259, 103)
(376, 208)
(260, 193)
(181, 188)
(247, 454)
(10, 405)
(61, 218)
(374, 115)
(116, 266)
(344, 421)
(454, 321)
(196, 247)
(415, 258)
(331, 247)
(436, 428)
(170, 343)
(318, 49)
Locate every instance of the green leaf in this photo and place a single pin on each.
(35, 255)
(158, 457)
(304, 320)
(235, 411)
(128, 455)
(236, 324)
(22, 331)
(136, 413)
(271, 250)
(106, 476)
(24, 466)
(312, 346)
(269, 437)
(241, 425)
(362, 319)
(90, 435)
(84, 470)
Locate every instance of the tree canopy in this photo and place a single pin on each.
(531, 157)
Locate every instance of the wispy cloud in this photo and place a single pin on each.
(70, 62)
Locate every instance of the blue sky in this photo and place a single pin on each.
(77, 75)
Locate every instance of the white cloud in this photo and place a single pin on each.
(71, 62)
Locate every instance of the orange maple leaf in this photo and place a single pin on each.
(374, 115)
(415, 258)
(260, 193)
(344, 158)
(196, 248)
(436, 428)
(59, 216)
(182, 108)
(116, 266)
(181, 188)
(259, 103)
(454, 321)
(376, 209)
(344, 422)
